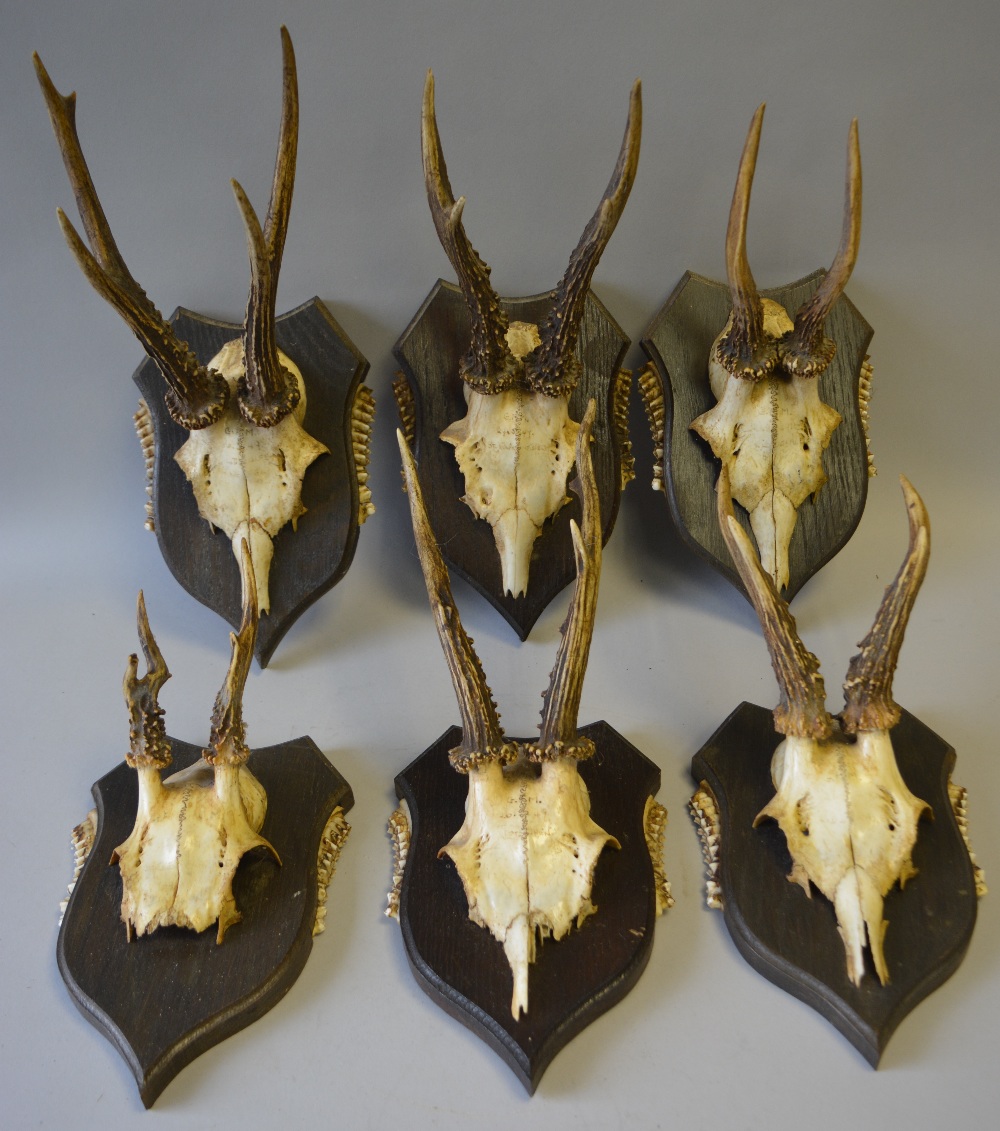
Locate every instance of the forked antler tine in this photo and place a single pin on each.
(482, 737)
(558, 736)
(802, 709)
(268, 392)
(738, 348)
(807, 352)
(196, 396)
(868, 702)
(489, 366)
(148, 744)
(227, 742)
(554, 367)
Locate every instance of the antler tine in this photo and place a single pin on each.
(558, 737)
(807, 352)
(554, 367)
(802, 710)
(482, 737)
(489, 366)
(868, 702)
(196, 396)
(148, 745)
(227, 741)
(739, 350)
(268, 392)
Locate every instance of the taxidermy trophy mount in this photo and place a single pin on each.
(780, 400)
(262, 432)
(525, 840)
(859, 812)
(221, 876)
(491, 392)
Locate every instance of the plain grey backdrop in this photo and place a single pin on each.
(176, 98)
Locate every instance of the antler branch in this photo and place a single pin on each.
(148, 745)
(807, 352)
(482, 738)
(269, 392)
(196, 396)
(554, 367)
(489, 366)
(868, 688)
(802, 710)
(558, 737)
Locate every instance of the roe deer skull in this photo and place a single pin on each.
(248, 452)
(527, 850)
(515, 445)
(193, 828)
(770, 427)
(849, 820)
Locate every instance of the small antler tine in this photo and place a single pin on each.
(558, 735)
(739, 350)
(807, 352)
(482, 738)
(283, 184)
(156, 667)
(802, 709)
(489, 366)
(196, 396)
(868, 702)
(554, 368)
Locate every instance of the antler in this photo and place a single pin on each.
(269, 392)
(807, 352)
(227, 740)
(482, 738)
(554, 367)
(148, 745)
(489, 366)
(868, 702)
(802, 710)
(558, 736)
(744, 350)
(196, 396)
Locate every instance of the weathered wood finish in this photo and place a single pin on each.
(307, 561)
(429, 351)
(573, 981)
(678, 343)
(167, 997)
(792, 940)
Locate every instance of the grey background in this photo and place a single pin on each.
(175, 98)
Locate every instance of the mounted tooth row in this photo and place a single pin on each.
(331, 842)
(147, 439)
(651, 389)
(705, 814)
(362, 415)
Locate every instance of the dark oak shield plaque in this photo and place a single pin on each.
(791, 939)
(307, 561)
(573, 981)
(167, 997)
(678, 343)
(429, 352)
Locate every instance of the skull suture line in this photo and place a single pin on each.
(769, 427)
(849, 819)
(527, 850)
(515, 445)
(247, 455)
(192, 829)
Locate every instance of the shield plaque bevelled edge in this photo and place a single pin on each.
(462, 967)
(429, 351)
(678, 343)
(167, 997)
(308, 561)
(792, 939)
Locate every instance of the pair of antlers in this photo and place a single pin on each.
(196, 396)
(553, 367)
(745, 350)
(868, 702)
(483, 739)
